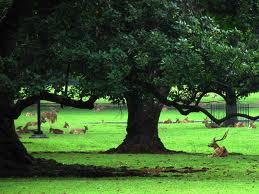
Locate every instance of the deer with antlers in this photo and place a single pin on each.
(218, 151)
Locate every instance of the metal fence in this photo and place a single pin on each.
(218, 110)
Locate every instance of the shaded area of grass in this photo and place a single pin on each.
(126, 186)
(234, 174)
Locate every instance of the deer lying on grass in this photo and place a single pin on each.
(239, 124)
(24, 130)
(56, 131)
(252, 125)
(168, 121)
(79, 130)
(186, 120)
(66, 125)
(30, 114)
(218, 151)
(210, 125)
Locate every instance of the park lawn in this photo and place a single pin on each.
(238, 173)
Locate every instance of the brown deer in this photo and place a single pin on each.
(79, 130)
(66, 125)
(239, 124)
(31, 123)
(164, 108)
(168, 121)
(211, 125)
(205, 120)
(56, 131)
(51, 116)
(186, 120)
(24, 130)
(252, 125)
(218, 151)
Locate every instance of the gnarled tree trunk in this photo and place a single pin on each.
(14, 158)
(231, 108)
(142, 127)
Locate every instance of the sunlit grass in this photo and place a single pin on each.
(238, 173)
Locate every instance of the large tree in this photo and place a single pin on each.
(128, 47)
(21, 86)
(240, 18)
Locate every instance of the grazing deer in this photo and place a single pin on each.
(30, 114)
(211, 125)
(239, 124)
(79, 130)
(56, 131)
(168, 121)
(252, 125)
(66, 125)
(218, 151)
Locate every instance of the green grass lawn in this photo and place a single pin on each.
(238, 173)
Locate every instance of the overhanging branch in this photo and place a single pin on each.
(15, 111)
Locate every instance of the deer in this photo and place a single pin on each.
(56, 131)
(252, 125)
(210, 125)
(239, 124)
(186, 120)
(66, 125)
(164, 108)
(218, 151)
(51, 116)
(24, 130)
(30, 114)
(168, 121)
(79, 130)
(31, 123)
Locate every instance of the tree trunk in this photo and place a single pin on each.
(142, 127)
(231, 108)
(14, 158)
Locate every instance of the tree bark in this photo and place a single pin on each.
(142, 127)
(231, 108)
(13, 155)
(14, 158)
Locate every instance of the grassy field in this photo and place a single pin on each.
(238, 173)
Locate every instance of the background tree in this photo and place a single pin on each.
(126, 45)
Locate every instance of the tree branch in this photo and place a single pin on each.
(15, 111)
